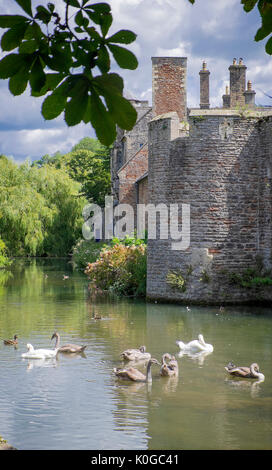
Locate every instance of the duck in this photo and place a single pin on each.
(13, 341)
(195, 346)
(169, 369)
(251, 372)
(96, 316)
(135, 375)
(39, 353)
(136, 354)
(67, 348)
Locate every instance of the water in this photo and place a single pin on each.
(77, 402)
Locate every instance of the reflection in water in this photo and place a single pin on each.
(5, 275)
(76, 402)
(253, 386)
(197, 357)
(169, 384)
(31, 363)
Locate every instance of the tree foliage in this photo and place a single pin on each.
(88, 163)
(40, 209)
(265, 10)
(4, 261)
(57, 55)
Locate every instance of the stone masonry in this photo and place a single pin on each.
(219, 161)
(223, 170)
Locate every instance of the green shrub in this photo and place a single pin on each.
(251, 277)
(120, 269)
(86, 251)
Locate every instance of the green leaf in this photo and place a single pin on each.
(76, 107)
(101, 120)
(100, 14)
(18, 82)
(123, 36)
(60, 60)
(33, 32)
(53, 105)
(262, 33)
(10, 65)
(111, 81)
(124, 58)
(26, 6)
(122, 110)
(103, 59)
(249, 4)
(268, 46)
(51, 7)
(101, 8)
(105, 23)
(51, 82)
(37, 76)
(43, 14)
(73, 3)
(28, 47)
(81, 20)
(12, 38)
(7, 21)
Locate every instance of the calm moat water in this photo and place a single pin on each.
(77, 402)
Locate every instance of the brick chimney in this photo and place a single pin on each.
(169, 91)
(237, 83)
(204, 87)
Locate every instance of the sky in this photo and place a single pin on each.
(212, 30)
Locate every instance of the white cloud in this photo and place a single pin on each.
(38, 142)
(215, 31)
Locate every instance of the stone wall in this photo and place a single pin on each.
(223, 170)
(126, 146)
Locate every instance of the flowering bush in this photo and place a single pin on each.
(120, 269)
(84, 252)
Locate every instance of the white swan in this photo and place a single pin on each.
(195, 346)
(39, 353)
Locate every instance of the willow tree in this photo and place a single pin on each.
(40, 209)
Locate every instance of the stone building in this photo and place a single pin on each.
(219, 162)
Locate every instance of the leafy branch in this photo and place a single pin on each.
(58, 55)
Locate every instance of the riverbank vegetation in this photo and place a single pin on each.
(120, 268)
(41, 203)
(4, 261)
